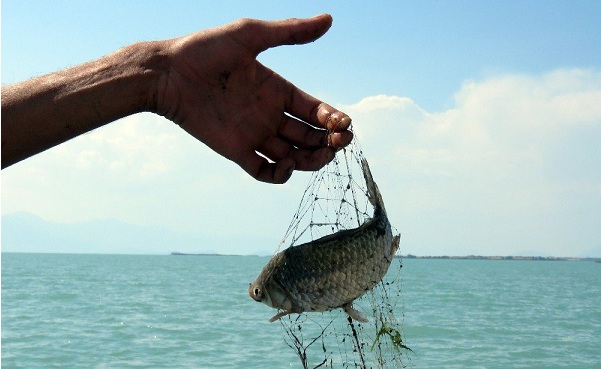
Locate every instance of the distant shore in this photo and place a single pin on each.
(479, 257)
(177, 253)
(468, 257)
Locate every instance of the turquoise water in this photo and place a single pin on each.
(117, 311)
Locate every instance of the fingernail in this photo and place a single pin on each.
(345, 122)
(338, 122)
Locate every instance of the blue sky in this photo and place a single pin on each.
(481, 121)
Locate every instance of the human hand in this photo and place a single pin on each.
(216, 90)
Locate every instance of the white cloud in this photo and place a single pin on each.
(488, 175)
(96, 174)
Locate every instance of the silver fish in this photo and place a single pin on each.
(332, 271)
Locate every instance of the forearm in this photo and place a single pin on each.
(45, 111)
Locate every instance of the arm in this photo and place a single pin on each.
(209, 83)
(45, 111)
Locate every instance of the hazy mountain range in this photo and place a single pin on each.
(24, 232)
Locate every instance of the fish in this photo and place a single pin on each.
(333, 271)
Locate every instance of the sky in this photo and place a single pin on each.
(481, 122)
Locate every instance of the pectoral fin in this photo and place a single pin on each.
(354, 314)
(280, 315)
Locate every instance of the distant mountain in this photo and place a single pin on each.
(24, 232)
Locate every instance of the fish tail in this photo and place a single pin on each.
(373, 193)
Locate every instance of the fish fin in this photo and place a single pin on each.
(373, 193)
(354, 314)
(279, 315)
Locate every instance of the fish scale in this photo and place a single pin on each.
(333, 271)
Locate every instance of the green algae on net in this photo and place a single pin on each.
(395, 338)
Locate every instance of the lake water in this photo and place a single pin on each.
(121, 311)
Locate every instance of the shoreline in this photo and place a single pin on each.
(445, 257)
(527, 258)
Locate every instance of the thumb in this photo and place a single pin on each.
(263, 35)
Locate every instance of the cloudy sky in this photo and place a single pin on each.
(481, 122)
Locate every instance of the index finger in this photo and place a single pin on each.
(316, 112)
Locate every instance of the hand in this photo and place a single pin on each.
(216, 90)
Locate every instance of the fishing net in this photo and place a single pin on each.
(334, 200)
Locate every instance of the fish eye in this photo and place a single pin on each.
(255, 292)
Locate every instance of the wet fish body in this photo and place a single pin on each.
(333, 271)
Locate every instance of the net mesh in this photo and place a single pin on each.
(334, 200)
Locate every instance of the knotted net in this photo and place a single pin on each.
(334, 200)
